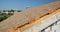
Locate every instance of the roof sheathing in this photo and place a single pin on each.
(29, 14)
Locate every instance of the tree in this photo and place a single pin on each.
(9, 12)
(4, 11)
(0, 12)
(19, 11)
(12, 11)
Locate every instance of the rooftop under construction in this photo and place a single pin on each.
(30, 17)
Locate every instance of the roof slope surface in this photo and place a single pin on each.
(21, 18)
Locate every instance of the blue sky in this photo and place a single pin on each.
(21, 4)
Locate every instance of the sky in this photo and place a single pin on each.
(21, 4)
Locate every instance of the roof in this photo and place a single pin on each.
(28, 15)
